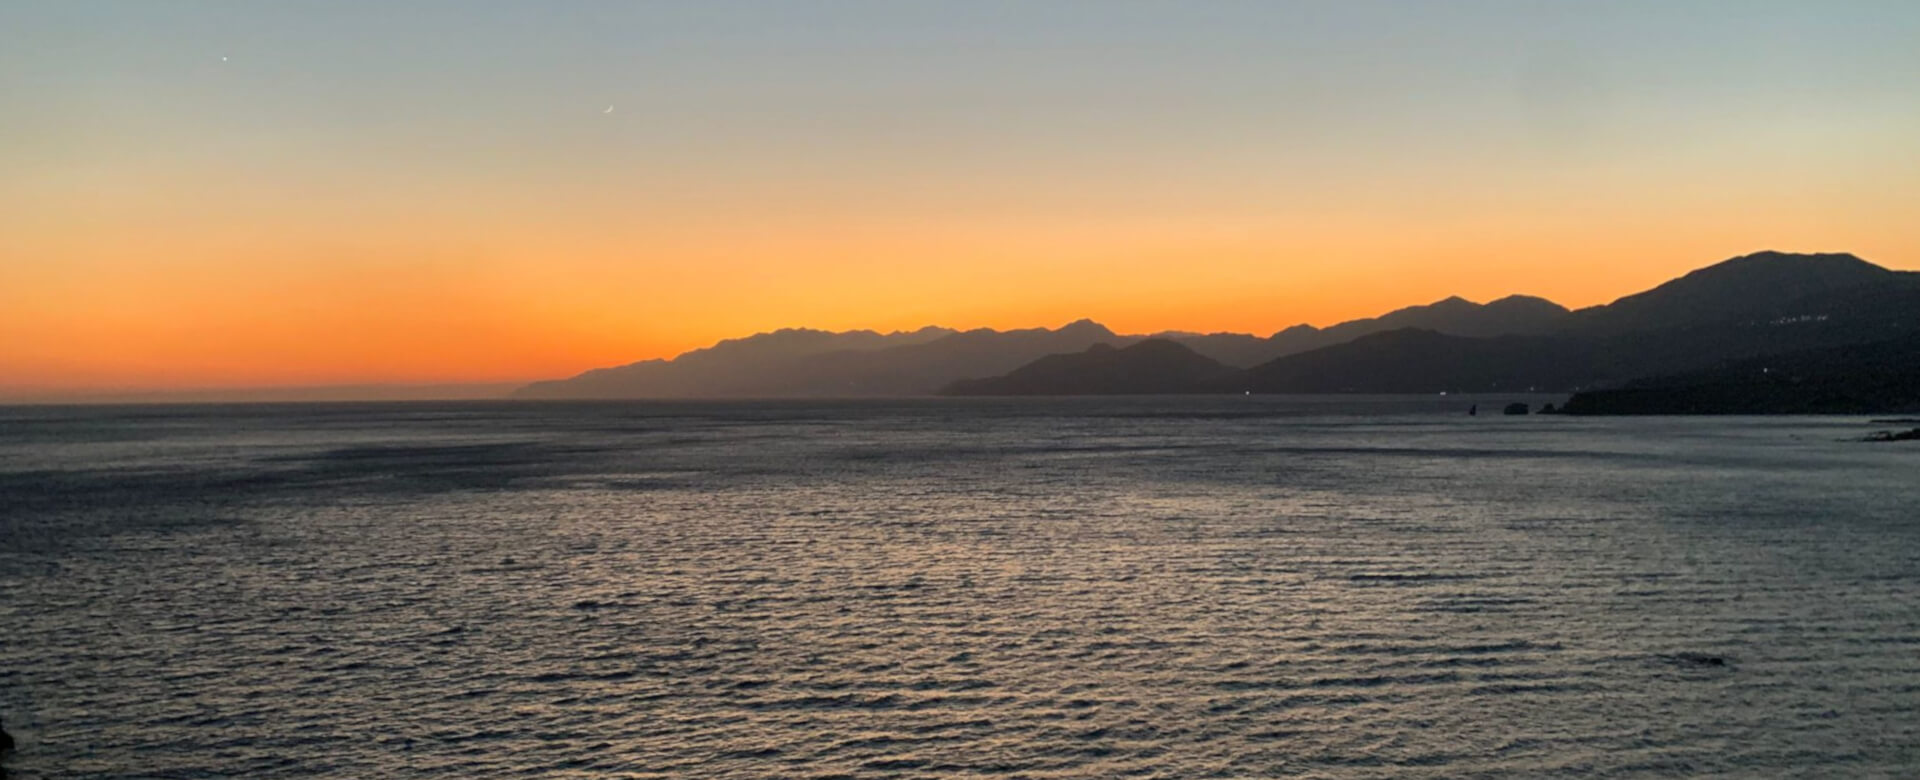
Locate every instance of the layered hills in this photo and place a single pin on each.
(1844, 323)
(1148, 367)
(820, 364)
(813, 363)
(1830, 311)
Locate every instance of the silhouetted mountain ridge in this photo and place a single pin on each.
(1514, 315)
(1745, 307)
(1148, 367)
(812, 363)
(1414, 360)
(1729, 289)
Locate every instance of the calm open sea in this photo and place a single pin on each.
(1174, 588)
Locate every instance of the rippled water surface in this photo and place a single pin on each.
(1079, 588)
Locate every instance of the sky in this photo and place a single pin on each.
(237, 194)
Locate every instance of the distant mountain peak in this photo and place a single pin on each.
(1830, 265)
(1772, 271)
(1084, 325)
(1773, 255)
(1742, 287)
(1527, 299)
(1526, 303)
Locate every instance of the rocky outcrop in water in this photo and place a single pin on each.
(1696, 660)
(1912, 435)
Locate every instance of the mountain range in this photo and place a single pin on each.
(814, 363)
(1738, 310)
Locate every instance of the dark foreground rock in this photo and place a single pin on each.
(1912, 435)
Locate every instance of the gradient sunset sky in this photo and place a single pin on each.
(277, 193)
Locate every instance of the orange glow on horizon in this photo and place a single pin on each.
(192, 273)
(228, 308)
(249, 195)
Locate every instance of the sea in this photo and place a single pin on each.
(1220, 587)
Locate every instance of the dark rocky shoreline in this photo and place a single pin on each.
(1876, 378)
